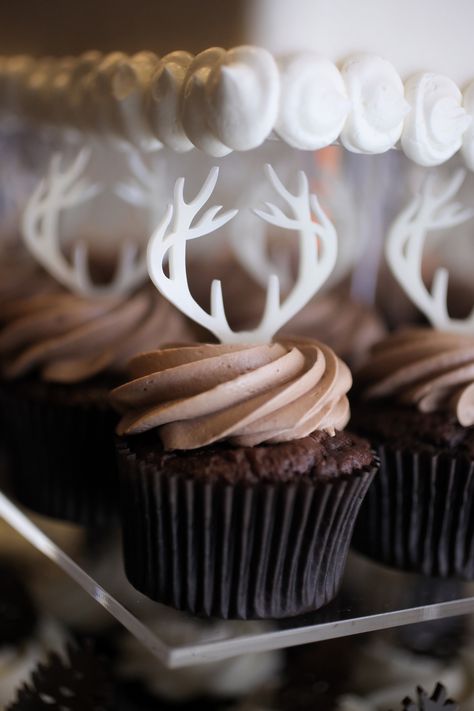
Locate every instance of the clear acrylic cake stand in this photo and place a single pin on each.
(372, 598)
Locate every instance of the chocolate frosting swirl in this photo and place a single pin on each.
(245, 394)
(20, 279)
(432, 370)
(69, 338)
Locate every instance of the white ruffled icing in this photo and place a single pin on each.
(68, 102)
(468, 138)
(129, 83)
(230, 99)
(433, 130)
(243, 90)
(221, 101)
(313, 101)
(96, 94)
(378, 106)
(195, 106)
(164, 101)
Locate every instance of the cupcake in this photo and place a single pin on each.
(417, 408)
(26, 636)
(79, 679)
(239, 486)
(61, 350)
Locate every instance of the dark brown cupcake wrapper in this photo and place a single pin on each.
(418, 514)
(242, 551)
(62, 458)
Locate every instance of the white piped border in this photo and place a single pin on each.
(225, 100)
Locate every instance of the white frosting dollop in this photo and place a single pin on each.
(375, 90)
(164, 101)
(230, 99)
(468, 138)
(15, 72)
(195, 106)
(243, 91)
(96, 88)
(68, 100)
(130, 83)
(434, 129)
(313, 101)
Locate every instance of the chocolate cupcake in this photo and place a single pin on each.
(59, 355)
(417, 407)
(25, 634)
(77, 681)
(63, 348)
(239, 490)
(417, 410)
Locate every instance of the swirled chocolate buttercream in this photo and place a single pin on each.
(429, 369)
(244, 394)
(68, 338)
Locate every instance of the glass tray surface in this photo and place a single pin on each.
(372, 598)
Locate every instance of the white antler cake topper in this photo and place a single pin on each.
(62, 189)
(427, 211)
(250, 244)
(317, 257)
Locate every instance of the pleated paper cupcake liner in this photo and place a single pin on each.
(418, 514)
(236, 551)
(61, 458)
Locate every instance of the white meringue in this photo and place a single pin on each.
(243, 90)
(129, 85)
(434, 129)
(313, 101)
(375, 122)
(164, 101)
(195, 106)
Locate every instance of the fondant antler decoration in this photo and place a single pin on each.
(249, 241)
(427, 211)
(317, 243)
(59, 190)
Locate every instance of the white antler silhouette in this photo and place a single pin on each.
(249, 241)
(427, 211)
(316, 261)
(59, 190)
(147, 188)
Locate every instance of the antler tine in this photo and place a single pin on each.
(179, 218)
(315, 264)
(404, 249)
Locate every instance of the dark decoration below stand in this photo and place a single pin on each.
(81, 682)
(438, 700)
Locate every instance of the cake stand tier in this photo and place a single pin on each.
(372, 598)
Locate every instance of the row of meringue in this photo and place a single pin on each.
(220, 101)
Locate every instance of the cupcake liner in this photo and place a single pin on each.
(236, 551)
(61, 457)
(418, 514)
